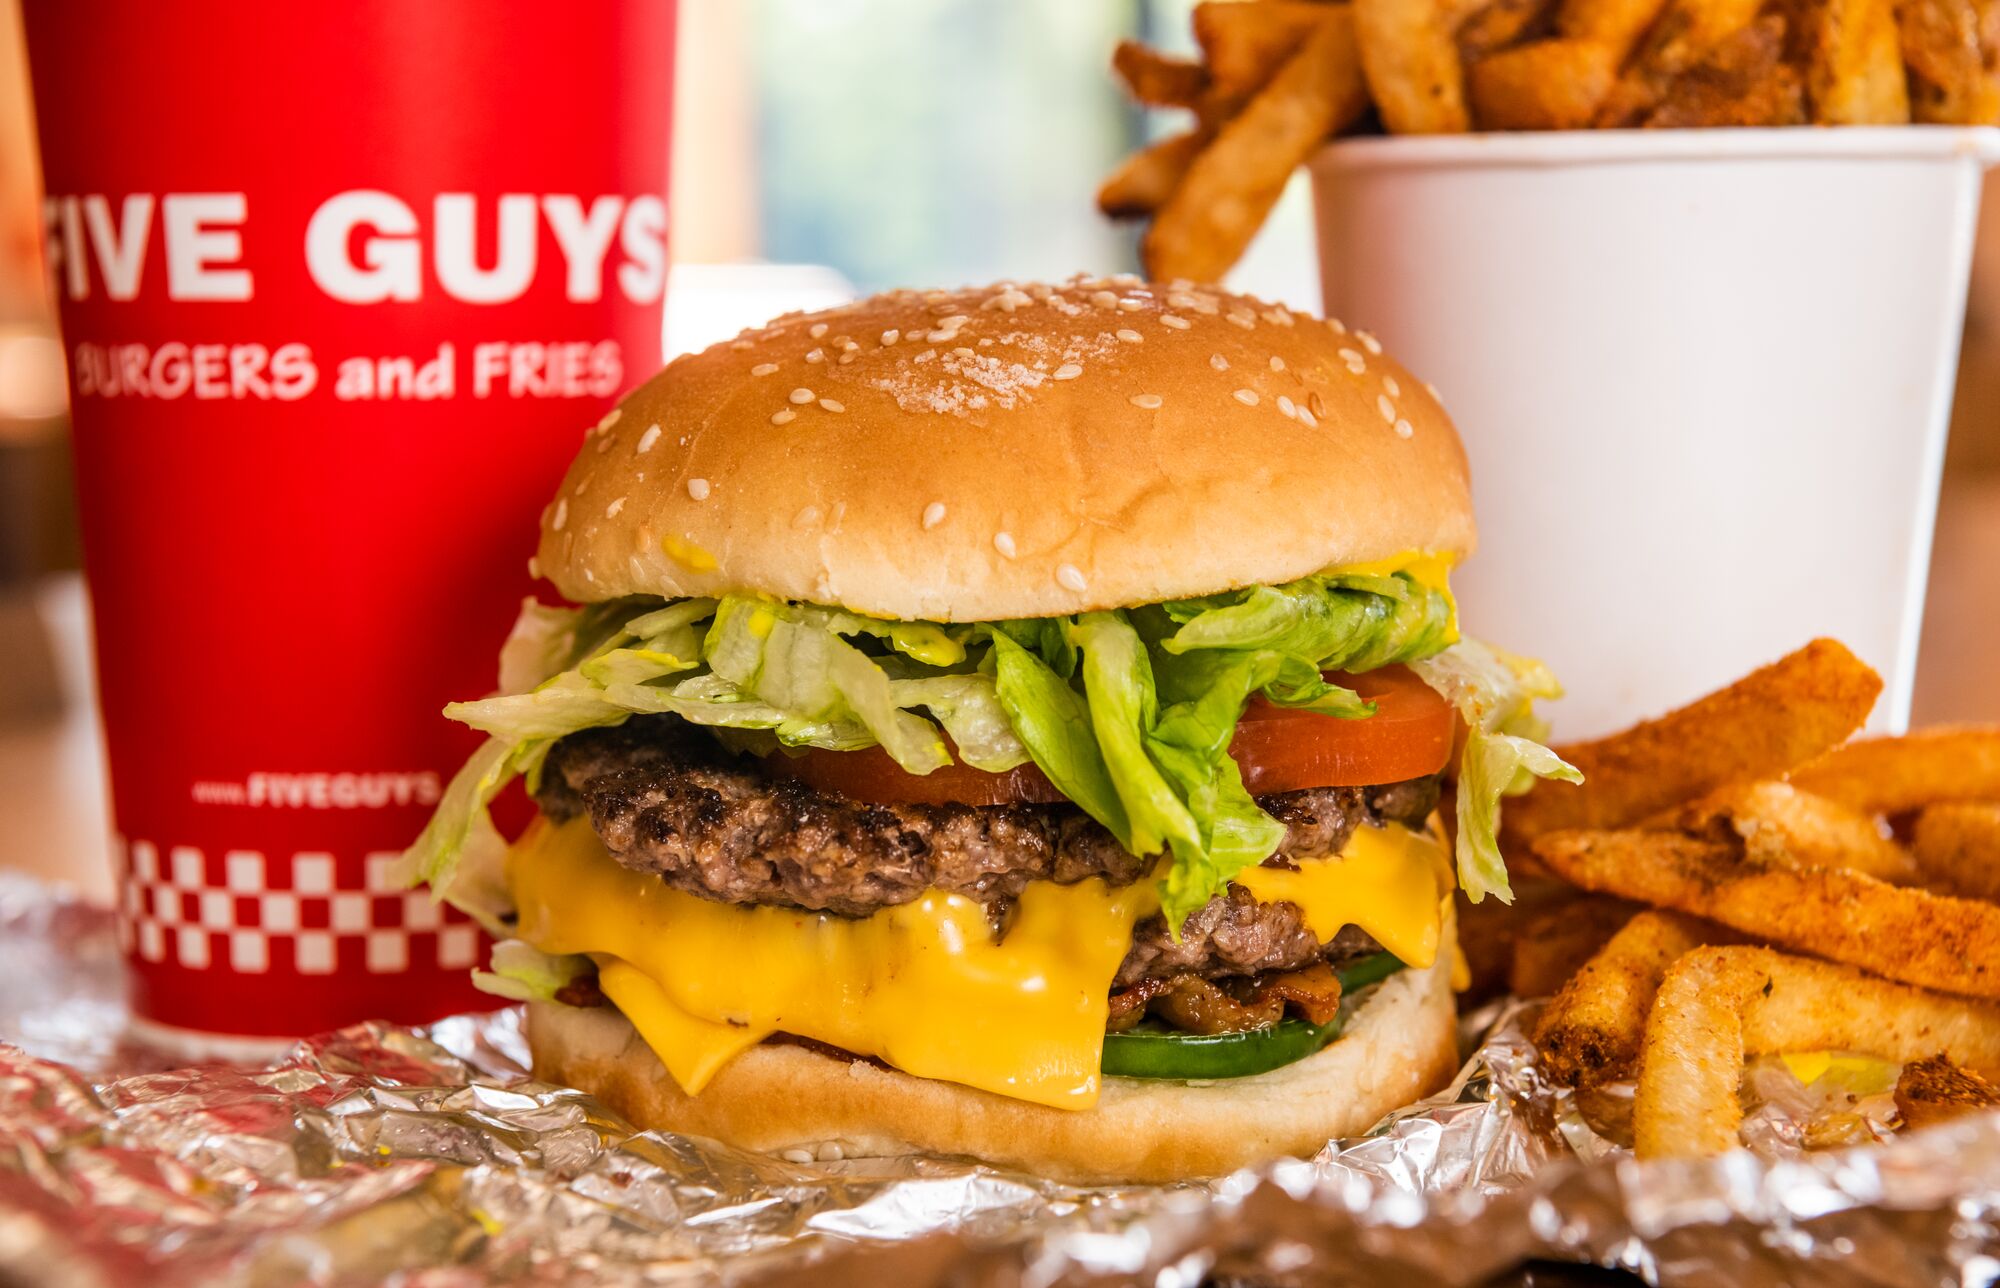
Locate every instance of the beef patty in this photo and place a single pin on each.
(666, 798)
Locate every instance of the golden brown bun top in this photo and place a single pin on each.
(1012, 451)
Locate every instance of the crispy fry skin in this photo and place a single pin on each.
(1157, 79)
(1934, 1090)
(1778, 823)
(1557, 943)
(1592, 1030)
(1718, 1004)
(1615, 23)
(1744, 81)
(1244, 45)
(1409, 51)
(1502, 25)
(1488, 930)
(1230, 188)
(1957, 849)
(1912, 935)
(1948, 47)
(1678, 41)
(1896, 775)
(1547, 85)
(1143, 181)
(1853, 61)
(1759, 727)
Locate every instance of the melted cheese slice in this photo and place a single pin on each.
(922, 986)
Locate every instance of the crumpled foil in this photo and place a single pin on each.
(428, 1157)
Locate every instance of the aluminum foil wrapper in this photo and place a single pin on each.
(428, 1157)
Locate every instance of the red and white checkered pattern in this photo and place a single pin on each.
(255, 915)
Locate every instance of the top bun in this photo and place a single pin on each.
(1012, 451)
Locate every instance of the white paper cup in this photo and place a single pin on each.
(1704, 378)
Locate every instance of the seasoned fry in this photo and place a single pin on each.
(1547, 85)
(1157, 79)
(1489, 929)
(1501, 25)
(1853, 62)
(1204, 227)
(1932, 940)
(1950, 58)
(1744, 81)
(1617, 24)
(1957, 849)
(1718, 1004)
(1557, 943)
(1244, 45)
(1778, 823)
(1896, 775)
(1143, 181)
(1769, 721)
(1677, 42)
(1934, 1090)
(1409, 51)
(1592, 1030)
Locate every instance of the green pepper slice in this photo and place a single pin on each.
(1165, 1053)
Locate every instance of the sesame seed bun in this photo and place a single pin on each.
(1399, 1046)
(1008, 451)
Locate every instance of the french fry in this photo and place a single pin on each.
(1500, 25)
(1743, 81)
(1244, 45)
(1547, 85)
(1957, 848)
(1778, 823)
(1677, 41)
(1229, 189)
(1766, 723)
(1900, 774)
(1557, 943)
(1409, 52)
(1934, 1090)
(1931, 940)
(1718, 1004)
(1489, 929)
(1157, 79)
(1948, 50)
(1853, 62)
(1143, 181)
(1593, 1029)
(1617, 24)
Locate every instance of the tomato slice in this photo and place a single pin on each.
(1277, 749)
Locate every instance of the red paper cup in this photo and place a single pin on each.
(339, 285)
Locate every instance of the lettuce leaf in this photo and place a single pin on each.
(525, 973)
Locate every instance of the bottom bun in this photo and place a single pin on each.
(1400, 1045)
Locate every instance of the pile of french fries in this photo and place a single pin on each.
(1738, 879)
(1279, 77)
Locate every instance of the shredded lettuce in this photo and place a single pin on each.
(524, 973)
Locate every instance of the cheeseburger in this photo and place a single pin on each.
(1004, 722)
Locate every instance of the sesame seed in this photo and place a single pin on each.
(647, 439)
(933, 515)
(1278, 317)
(1337, 326)
(828, 404)
(1317, 404)
(741, 345)
(1104, 299)
(1068, 371)
(1389, 383)
(1070, 577)
(610, 419)
(1131, 305)
(1352, 358)
(1129, 336)
(846, 345)
(1306, 418)
(1219, 362)
(1248, 397)
(964, 351)
(1004, 543)
(604, 444)
(1277, 363)
(818, 330)
(802, 396)
(955, 321)
(1243, 318)
(1175, 321)
(1387, 408)
(611, 511)
(817, 355)
(806, 518)
(698, 489)
(1151, 402)
(1286, 406)
(891, 336)
(764, 369)
(846, 358)
(941, 336)
(1403, 429)
(534, 568)
(562, 515)
(1432, 389)
(1368, 342)
(783, 416)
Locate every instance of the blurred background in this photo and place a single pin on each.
(822, 148)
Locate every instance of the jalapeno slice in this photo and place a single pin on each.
(1166, 1053)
